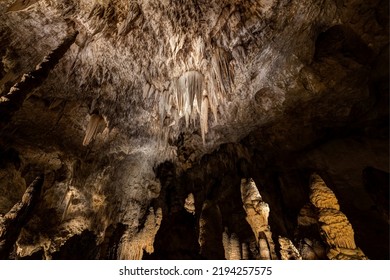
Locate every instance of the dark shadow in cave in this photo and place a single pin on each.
(177, 237)
(78, 247)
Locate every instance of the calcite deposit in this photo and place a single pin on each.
(219, 129)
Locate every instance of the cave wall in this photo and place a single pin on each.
(147, 102)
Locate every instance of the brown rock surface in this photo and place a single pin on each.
(155, 100)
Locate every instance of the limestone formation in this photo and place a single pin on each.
(320, 195)
(14, 99)
(257, 212)
(128, 106)
(335, 227)
(232, 247)
(95, 122)
(189, 204)
(16, 218)
(134, 245)
(288, 251)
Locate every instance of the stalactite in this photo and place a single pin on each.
(94, 123)
(13, 100)
(199, 51)
(20, 5)
(188, 86)
(132, 16)
(71, 195)
(12, 222)
(162, 108)
(221, 70)
(288, 251)
(221, 21)
(145, 90)
(335, 227)
(204, 118)
(257, 212)
(134, 245)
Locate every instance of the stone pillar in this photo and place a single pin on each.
(335, 228)
(257, 212)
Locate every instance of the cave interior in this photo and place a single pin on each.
(219, 129)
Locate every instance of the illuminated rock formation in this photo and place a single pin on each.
(16, 218)
(288, 251)
(133, 245)
(257, 212)
(127, 106)
(189, 204)
(335, 227)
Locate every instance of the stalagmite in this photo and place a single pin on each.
(134, 245)
(12, 101)
(264, 248)
(244, 251)
(189, 204)
(306, 250)
(335, 227)
(94, 123)
(321, 196)
(288, 251)
(232, 246)
(257, 212)
(12, 222)
(226, 244)
(235, 247)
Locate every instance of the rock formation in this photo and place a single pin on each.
(257, 212)
(133, 246)
(288, 251)
(145, 116)
(12, 222)
(335, 227)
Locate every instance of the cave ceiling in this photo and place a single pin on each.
(135, 111)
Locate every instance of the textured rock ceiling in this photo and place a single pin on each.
(218, 90)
